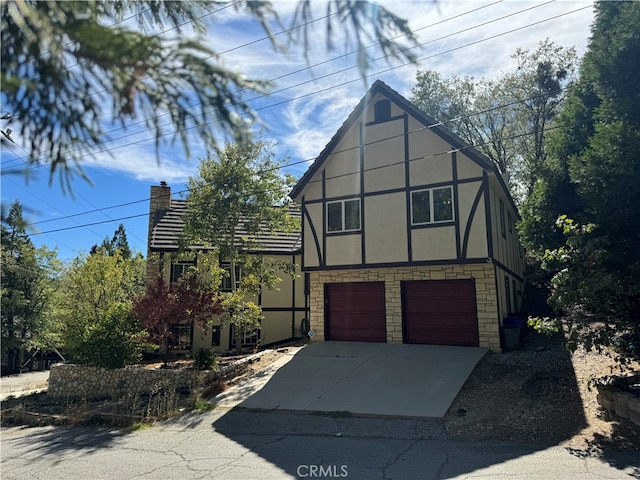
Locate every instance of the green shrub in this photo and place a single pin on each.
(117, 340)
(205, 359)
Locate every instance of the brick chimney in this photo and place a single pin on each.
(159, 205)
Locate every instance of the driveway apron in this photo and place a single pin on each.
(360, 378)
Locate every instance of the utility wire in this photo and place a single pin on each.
(402, 162)
(310, 67)
(354, 80)
(299, 162)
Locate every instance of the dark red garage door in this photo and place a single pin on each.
(440, 312)
(355, 312)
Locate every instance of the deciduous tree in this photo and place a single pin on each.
(506, 119)
(239, 195)
(189, 301)
(94, 307)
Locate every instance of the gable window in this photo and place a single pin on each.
(179, 269)
(509, 223)
(432, 206)
(343, 216)
(226, 280)
(382, 110)
(503, 228)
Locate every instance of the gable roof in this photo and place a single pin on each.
(380, 87)
(165, 235)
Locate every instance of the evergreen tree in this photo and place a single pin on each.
(118, 243)
(593, 180)
(240, 189)
(29, 277)
(61, 62)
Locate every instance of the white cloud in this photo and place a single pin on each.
(141, 163)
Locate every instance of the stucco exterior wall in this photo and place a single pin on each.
(482, 274)
(283, 309)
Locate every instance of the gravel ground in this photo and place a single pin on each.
(540, 393)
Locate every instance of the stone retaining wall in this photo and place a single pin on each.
(71, 381)
(619, 401)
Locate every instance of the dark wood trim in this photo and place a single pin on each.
(506, 269)
(343, 234)
(302, 224)
(353, 196)
(472, 214)
(322, 260)
(362, 206)
(407, 188)
(305, 213)
(395, 190)
(390, 119)
(456, 208)
(487, 213)
(419, 263)
(293, 298)
(433, 225)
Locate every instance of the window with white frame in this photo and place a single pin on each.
(433, 205)
(248, 338)
(226, 280)
(343, 216)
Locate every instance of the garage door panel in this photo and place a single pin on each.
(356, 312)
(440, 312)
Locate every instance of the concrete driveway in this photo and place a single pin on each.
(361, 378)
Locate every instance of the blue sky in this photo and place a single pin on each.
(474, 38)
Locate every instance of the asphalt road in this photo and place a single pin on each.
(280, 445)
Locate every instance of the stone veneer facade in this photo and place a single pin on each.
(483, 275)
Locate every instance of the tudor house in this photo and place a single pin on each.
(283, 309)
(407, 232)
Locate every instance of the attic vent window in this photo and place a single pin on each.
(382, 111)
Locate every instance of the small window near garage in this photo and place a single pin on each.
(432, 206)
(215, 336)
(179, 269)
(507, 294)
(503, 228)
(343, 216)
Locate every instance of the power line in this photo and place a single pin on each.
(291, 164)
(355, 80)
(288, 74)
(57, 209)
